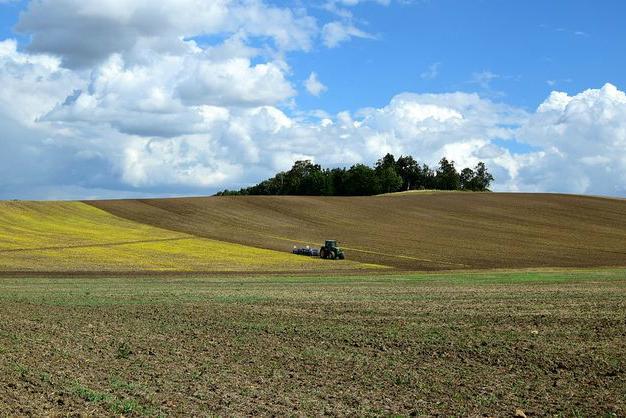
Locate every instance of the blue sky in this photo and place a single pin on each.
(116, 98)
(529, 47)
(524, 44)
(9, 13)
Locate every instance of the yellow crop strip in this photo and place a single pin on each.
(73, 236)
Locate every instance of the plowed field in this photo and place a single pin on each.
(413, 231)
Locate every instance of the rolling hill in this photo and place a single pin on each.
(411, 231)
(403, 231)
(73, 237)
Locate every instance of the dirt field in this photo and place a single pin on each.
(462, 344)
(414, 231)
(169, 336)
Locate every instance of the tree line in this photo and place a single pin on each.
(388, 175)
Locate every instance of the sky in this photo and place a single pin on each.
(132, 98)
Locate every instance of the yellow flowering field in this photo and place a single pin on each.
(73, 236)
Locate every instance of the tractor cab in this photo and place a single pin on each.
(331, 251)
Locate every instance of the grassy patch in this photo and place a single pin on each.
(112, 403)
(89, 395)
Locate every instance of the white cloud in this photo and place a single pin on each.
(85, 33)
(166, 96)
(31, 84)
(582, 138)
(190, 161)
(114, 99)
(234, 82)
(336, 32)
(314, 86)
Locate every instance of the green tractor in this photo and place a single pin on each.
(331, 251)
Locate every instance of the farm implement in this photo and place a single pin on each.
(308, 251)
(329, 251)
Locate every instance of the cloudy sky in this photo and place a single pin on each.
(119, 98)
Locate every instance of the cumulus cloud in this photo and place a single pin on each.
(127, 127)
(314, 86)
(582, 138)
(35, 157)
(86, 33)
(109, 100)
(234, 82)
(166, 96)
(31, 84)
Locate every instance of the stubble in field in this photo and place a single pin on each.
(464, 344)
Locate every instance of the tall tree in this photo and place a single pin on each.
(303, 178)
(428, 179)
(338, 181)
(387, 175)
(361, 180)
(410, 172)
(467, 179)
(482, 178)
(447, 176)
(386, 162)
(389, 180)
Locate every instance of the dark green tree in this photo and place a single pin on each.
(388, 175)
(482, 178)
(338, 181)
(361, 180)
(467, 179)
(386, 172)
(386, 162)
(410, 172)
(389, 180)
(304, 178)
(428, 179)
(447, 176)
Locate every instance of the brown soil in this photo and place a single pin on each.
(439, 231)
(425, 346)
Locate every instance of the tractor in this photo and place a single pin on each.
(331, 251)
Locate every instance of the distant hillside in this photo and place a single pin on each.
(417, 231)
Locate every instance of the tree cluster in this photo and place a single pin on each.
(387, 176)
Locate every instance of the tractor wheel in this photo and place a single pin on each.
(332, 255)
(341, 256)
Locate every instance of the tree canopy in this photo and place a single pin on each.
(387, 176)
